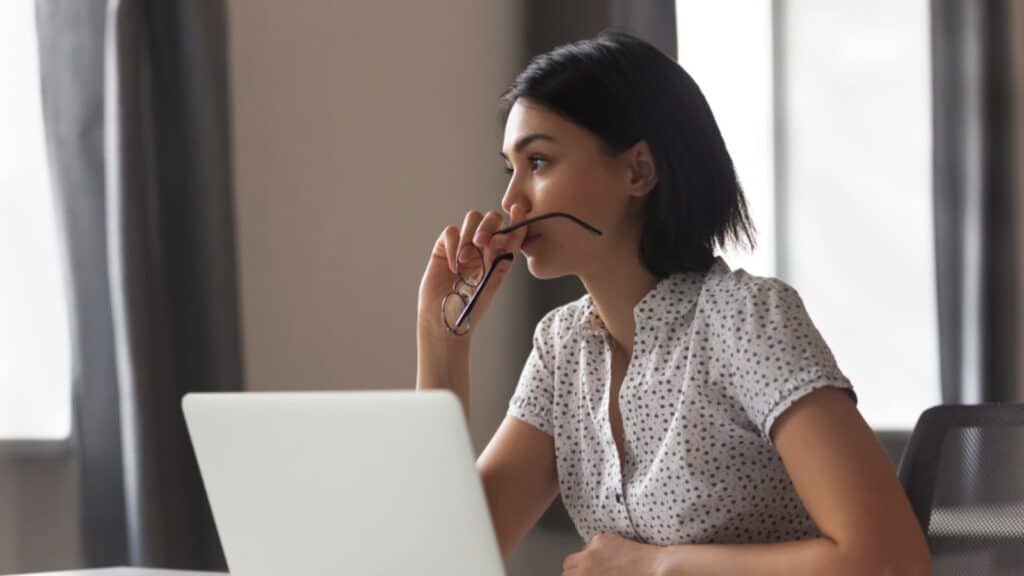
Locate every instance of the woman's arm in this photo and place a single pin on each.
(443, 363)
(517, 468)
(849, 488)
(520, 479)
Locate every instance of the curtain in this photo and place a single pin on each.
(978, 187)
(149, 228)
(652, 20)
(71, 69)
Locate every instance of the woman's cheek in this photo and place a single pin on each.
(557, 193)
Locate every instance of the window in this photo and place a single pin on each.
(728, 52)
(853, 201)
(35, 390)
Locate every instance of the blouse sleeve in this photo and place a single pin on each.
(777, 354)
(534, 394)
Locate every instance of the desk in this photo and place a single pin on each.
(126, 572)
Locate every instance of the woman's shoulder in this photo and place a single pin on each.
(737, 290)
(740, 306)
(561, 323)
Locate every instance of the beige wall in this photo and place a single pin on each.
(360, 130)
(38, 510)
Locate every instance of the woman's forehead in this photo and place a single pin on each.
(527, 118)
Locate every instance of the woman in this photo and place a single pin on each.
(691, 416)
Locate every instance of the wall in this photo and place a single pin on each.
(38, 510)
(360, 131)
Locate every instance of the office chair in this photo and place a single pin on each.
(963, 471)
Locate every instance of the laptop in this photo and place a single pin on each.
(361, 483)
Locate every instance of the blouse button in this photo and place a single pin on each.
(618, 498)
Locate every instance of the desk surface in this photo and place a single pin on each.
(127, 572)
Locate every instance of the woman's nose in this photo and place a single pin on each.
(514, 197)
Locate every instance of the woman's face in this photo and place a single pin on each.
(555, 165)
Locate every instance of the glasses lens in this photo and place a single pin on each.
(452, 306)
(471, 272)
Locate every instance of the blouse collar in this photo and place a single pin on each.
(671, 298)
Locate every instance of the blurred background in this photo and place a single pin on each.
(242, 195)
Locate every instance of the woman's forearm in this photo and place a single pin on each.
(803, 557)
(443, 364)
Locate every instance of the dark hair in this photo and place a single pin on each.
(625, 90)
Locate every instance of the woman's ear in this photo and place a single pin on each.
(641, 170)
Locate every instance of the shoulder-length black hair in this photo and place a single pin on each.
(625, 90)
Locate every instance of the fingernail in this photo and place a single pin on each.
(464, 257)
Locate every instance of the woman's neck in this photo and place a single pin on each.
(617, 286)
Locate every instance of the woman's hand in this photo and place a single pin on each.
(612, 555)
(440, 275)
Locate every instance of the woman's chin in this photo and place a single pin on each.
(541, 272)
(535, 268)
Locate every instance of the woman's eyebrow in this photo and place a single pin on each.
(525, 141)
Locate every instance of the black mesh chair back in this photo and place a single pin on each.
(963, 471)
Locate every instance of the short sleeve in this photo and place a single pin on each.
(535, 393)
(777, 354)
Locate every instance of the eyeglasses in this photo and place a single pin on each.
(474, 274)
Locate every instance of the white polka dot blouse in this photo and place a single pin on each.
(717, 357)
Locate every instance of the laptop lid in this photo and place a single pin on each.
(335, 483)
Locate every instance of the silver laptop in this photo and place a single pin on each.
(365, 483)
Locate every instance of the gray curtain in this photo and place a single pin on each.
(71, 67)
(978, 186)
(137, 119)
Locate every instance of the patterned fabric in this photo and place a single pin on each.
(717, 357)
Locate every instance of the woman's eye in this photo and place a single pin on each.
(534, 161)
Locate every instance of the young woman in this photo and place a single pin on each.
(691, 416)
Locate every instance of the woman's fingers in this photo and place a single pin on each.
(450, 237)
(498, 245)
(478, 229)
(517, 236)
(491, 222)
(469, 226)
(471, 265)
